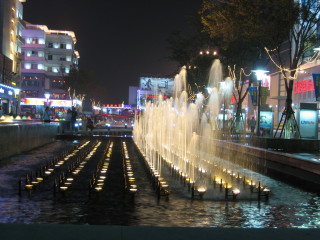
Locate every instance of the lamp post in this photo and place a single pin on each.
(260, 75)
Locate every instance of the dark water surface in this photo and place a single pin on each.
(287, 207)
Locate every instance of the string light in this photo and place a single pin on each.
(283, 70)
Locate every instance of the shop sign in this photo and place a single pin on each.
(42, 101)
(113, 105)
(303, 86)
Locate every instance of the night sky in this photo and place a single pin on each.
(118, 40)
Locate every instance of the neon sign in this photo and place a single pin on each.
(303, 86)
(42, 101)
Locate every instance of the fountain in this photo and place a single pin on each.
(175, 137)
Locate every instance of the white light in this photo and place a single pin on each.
(16, 91)
(47, 95)
(41, 41)
(260, 74)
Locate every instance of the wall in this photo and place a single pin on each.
(15, 139)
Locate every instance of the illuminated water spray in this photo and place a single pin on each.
(178, 133)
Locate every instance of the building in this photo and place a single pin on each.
(132, 100)
(48, 56)
(11, 41)
(303, 93)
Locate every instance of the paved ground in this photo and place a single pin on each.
(92, 232)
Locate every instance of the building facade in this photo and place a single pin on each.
(48, 56)
(11, 41)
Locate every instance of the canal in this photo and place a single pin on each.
(286, 207)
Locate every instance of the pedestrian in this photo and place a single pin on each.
(47, 115)
(68, 119)
(74, 115)
(89, 125)
(252, 124)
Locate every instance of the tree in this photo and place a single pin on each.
(301, 39)
(228, 24)
(255, 25)
(186, 50)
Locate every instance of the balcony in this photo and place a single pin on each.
(34, 58)
(32, 71)
(59, 50)
(20, 39)
(56, 74)
(30, 45)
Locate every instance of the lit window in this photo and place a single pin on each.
(56, 45)
(41, 41)
(69, 46)
(28, 40)
(27, 66)
(40, 66)
(55, 70)
(68, 58)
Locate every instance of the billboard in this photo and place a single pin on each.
(157, 86)
(308, 123)
(266, 123)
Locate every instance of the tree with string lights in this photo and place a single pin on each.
(286, 29)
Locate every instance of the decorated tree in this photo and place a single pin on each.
(286, 29)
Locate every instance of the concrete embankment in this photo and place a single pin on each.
(15, 139)
(283, 164)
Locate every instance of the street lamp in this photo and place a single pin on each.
(260, 75)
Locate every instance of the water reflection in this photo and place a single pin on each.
(288, 207)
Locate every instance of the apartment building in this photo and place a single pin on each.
(48, 56)
(11, 41)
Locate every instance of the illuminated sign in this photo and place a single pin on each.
(113, 105)
(308, 123)
(42, 101)
(155, 96)
(303, 86)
